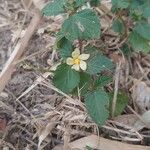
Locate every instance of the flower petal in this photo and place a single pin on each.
(69, 61)
(76, 53)
(84, 56)
(76, 67)
(83, 65)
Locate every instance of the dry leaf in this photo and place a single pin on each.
(144, 122)
(128, 120)
(43, 132)
(3, 122)
(100, 143)
(40, 31)
(141, 95)
(6, 148)
(4, 95)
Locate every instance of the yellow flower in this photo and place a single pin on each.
(77, 60)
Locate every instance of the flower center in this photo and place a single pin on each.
(77, 61)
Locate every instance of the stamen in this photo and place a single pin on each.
(77, 61)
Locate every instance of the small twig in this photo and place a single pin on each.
(66, 138)
(32, 55)
(120, 131)
(71, 100)
(117, 74)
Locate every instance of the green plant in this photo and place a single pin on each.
(132, 23)
(83, 67)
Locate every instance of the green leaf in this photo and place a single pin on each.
(122, 101)
(83, 25)
(118, 26)
(65, 78)
(95, 3)
(102, 81)
(84, 85)
(122, 4)
(127, 50)
(136, 4)
(92, 50)
(143, 29)
(138, 42)
(97, 103)
(54, 8)
(65, 47)
(146, 9)
(136, 15)
(79, 3)
(98, 64)
(88, 148)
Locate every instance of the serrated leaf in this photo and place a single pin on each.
(146, 9)
(138, 42)
(84, 85)
(65, 47)
(143, 29)
(65, 78)
(95, 3)
(83, 25)
(92, 50)
(136, 14)
(97, 103)
(54, 8)
(136, 4)
(118, 26)
(122, 101)
(98, 64)
(120, 3)
(102, 81)
(79, 3)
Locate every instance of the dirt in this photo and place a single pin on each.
(16, 126)
(5, 44)
(23, 78)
